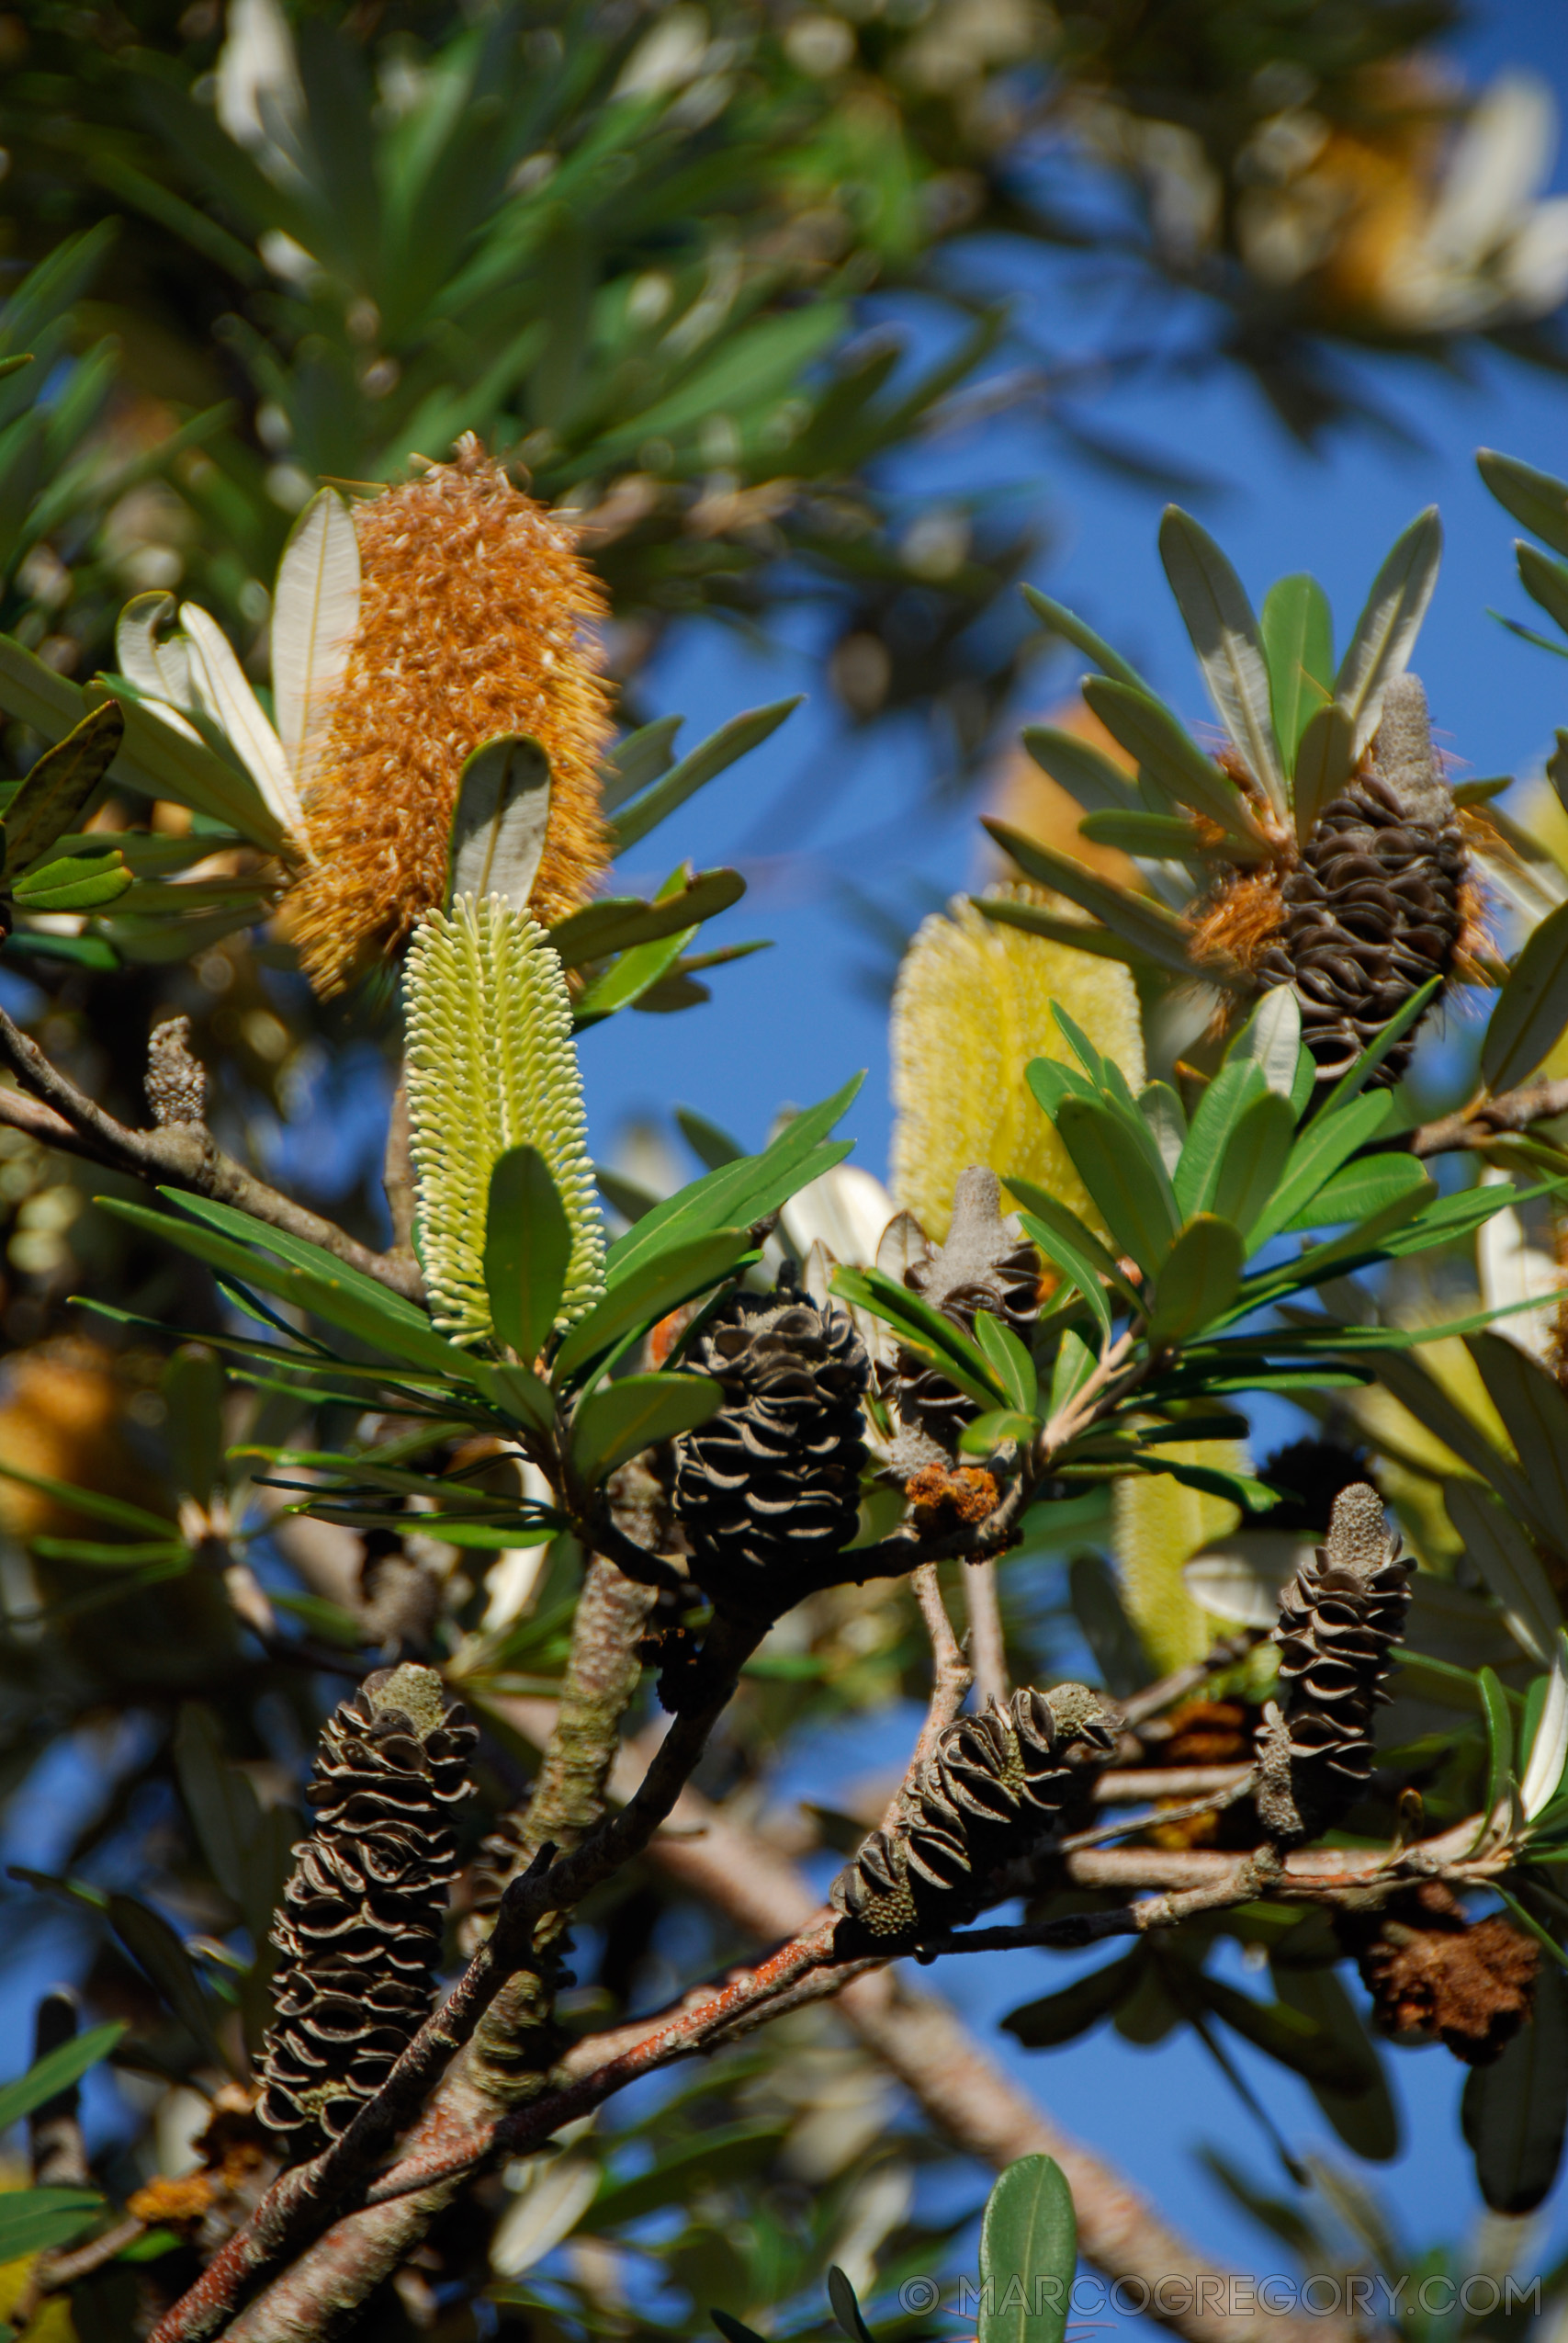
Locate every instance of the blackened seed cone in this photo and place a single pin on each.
(1340, 1618)
(1374, 907)
(768, 1490)
(360, 1926)
(993, 1786)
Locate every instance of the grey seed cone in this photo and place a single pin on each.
(993, 1785)
(769, 1489)
(982, 1266)
(1341, 1619)
(361, 1921)
(1374, 908)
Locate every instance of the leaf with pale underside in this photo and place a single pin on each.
(160, 670)
(1224, 632)
(1387, 630)
(500, 819)
(315, 614)
(221, 692)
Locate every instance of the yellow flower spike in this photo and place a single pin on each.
(973, 1005)
(473, 618)
(1158, 1526)
(491, 1066)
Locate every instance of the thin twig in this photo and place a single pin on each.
(951, 1679)
(987, 1647)
(1477, 1124)
(1170, 1689)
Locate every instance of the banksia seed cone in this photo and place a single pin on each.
(474, 607)
(1374, 908)
(360, 1925)
(1431, 1973)
(1339, 1619)
(769, 1486)
(491, 1066)
(974, 1005)
(983, 1266)
(992, 1786)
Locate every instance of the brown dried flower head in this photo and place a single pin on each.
(474, 618)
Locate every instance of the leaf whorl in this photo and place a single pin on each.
(769, 1486)
(991, 1786)
(1374, 907)
(1339, 1619)
(361, 1921)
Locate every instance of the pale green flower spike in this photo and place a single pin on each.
(492, 1065)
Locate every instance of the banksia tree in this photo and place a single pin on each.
(993, 1787)
(491, 1066)
(474, 620)
(1320, 847)
(768, 1490)
(975, 1003)
(362, 1919)
(1339, 1620)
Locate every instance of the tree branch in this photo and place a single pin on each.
(182, 1155)
(1480, 1123)
(987, 1647)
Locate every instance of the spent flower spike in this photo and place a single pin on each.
(315, 614)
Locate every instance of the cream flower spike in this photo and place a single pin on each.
(315, 613)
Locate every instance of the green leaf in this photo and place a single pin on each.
(712, 1147)
(88, 1501)
(1163, 837)
(55, 2073)
(1285, 2034)
(158, 1952)
(1240, 1083)
(1130, 1188)
(720, 749)
(1362, 1190)
(218, 1797)
(1324, 759)
(1220, 620)
(634, 1414)
(1327, 1142)
(725, 2154)
(1546, 581)
(1387, 630)
(1298, 643)
(740, 1192)
(1198, 1281)
(54, 797)
(1085, 772)
(1535, 1416)
(301, 1274)
(1533, 497)
(644, 1295)
(640, 758)
(1062, 2017)
(617, 923)
(627, 980)
(846, 2309)
(1365, 2118)
(1029, 2247)
(1138, 920)
(733, 2329)
(76, 883)
(193, 1396)
(925, 1330)
(1499, 1739)
(1255, 1156)
(527, 1250)
(1011, 1363)
(986, 1433)
(157, 761)
(1169, 757)
(1079, 935)
(1533, 1007)
(1513, 2111)
(499, 822)
(1077, 1265)
(40, 2221)
(1065, 623)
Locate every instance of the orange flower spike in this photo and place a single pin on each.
(476, 619)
